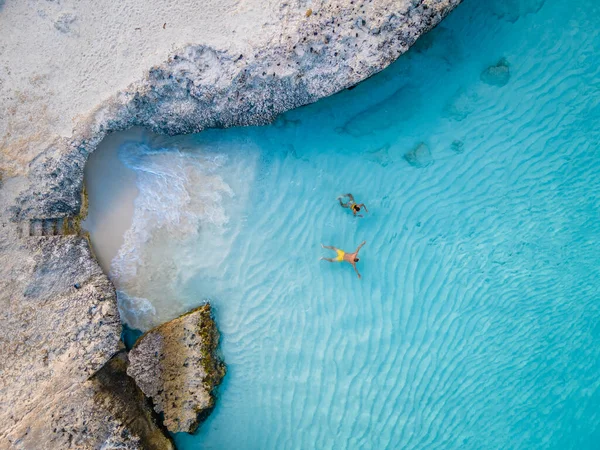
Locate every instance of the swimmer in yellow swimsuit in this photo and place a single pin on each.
(341, 255)
(354, 207)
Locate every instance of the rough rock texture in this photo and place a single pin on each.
(70, 418)
(117, 393)
(60, 59)
(177, 366)
(56, 335)
(107, 411)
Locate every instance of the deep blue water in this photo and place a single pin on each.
(477, 321)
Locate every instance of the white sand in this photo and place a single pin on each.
(59, 59)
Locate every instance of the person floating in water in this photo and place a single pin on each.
(351, 258)
(354, 207)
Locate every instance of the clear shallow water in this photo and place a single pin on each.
(477, 321)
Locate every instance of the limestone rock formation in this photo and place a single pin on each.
(60, 324)
(176, 365)
(69, 417)
(107, 411)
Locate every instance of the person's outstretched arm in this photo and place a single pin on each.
(362, 205)
(360, 246)
(356, 270)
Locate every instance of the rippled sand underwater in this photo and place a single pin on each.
(477, 321)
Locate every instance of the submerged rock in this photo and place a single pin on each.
(458, 146)
(380, 156)
(497, 75)
(420, 156)
(512, 10)
(176, 365)
(461, 104)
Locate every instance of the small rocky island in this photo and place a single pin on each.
(64, 378)
(175, 364)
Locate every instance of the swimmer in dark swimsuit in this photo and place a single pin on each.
(354, 207)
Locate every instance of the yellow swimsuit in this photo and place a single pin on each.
(340, 255)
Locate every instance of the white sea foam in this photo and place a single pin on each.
(183, 199)
(137, 310)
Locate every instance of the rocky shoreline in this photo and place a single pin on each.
(199, 87)
(59, 313)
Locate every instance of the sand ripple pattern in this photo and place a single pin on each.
(476, 322)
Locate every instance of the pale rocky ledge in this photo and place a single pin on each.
(72, 71)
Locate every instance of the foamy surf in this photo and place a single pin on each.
(184, 201)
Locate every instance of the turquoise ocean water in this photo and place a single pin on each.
(477, 321)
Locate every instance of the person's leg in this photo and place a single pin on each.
(342, 204)
(328, 259)
(328, 246)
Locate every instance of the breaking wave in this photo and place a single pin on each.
(183, 197)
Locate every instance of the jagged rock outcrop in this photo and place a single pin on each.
(70, 417)
(176, 364)
(107, 411)
(60, 327)
(117, 393)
